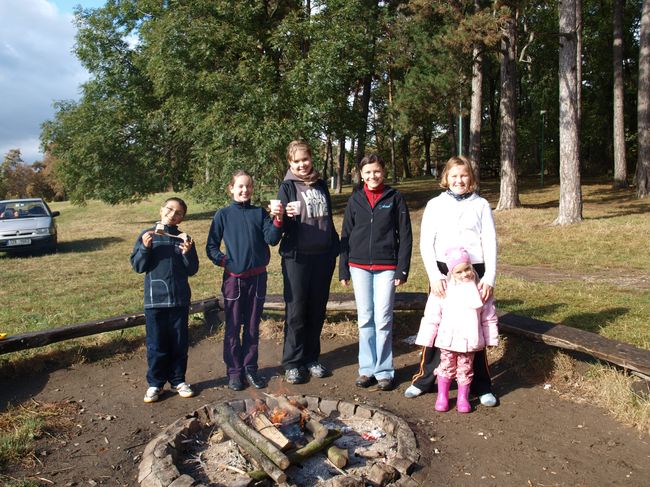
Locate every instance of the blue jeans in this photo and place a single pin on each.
(374, 292)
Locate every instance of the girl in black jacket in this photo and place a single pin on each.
(308, 248)
(376, 244)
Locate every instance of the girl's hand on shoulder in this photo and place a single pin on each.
(147, 239)
(439, 288)
(345, 282)
(485, 290)
(398, 282)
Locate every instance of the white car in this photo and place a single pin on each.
(27, 225)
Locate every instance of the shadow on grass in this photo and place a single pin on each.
(640, 209)
(592, 322)
(542, 206)
(595, 322)
(513, 306)
(87, 244)
(526, 363)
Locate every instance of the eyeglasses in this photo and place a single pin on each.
(174, 211)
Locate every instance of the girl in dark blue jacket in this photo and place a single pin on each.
(167, 257)
(376, 243)
(247, 231)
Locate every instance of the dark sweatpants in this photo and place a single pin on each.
(167, 345)
(243, 301)
(306, 292)
(424, 379)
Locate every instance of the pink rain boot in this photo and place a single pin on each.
(442, 401)
(462, 403)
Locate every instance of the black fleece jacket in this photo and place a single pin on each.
(380, 235)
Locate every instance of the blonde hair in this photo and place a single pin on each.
(454, 162)
(296, 145)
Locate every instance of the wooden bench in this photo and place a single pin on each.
(629, 357)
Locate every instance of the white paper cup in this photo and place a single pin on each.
(274, 204)
(295, 205)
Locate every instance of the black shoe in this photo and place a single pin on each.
(236, 384)
(255, 380)
(365, 381)
(385, 384)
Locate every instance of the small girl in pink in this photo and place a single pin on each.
(459, 324)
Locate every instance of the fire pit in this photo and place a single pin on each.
(279, 440)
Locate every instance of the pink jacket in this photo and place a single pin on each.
(460, 322)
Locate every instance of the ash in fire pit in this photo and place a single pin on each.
(302, 441)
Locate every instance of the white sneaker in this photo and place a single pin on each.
(488, 400)
(184, 390)
(412, 392)
(152, 394)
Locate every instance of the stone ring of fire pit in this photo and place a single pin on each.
(158, 465)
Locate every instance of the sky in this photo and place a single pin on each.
(37, 68)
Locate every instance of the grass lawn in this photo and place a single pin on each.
(591, 275)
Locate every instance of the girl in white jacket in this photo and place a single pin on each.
(459, 325)
(457, 217)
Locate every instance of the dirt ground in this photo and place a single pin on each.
(534, 437)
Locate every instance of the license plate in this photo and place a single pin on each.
(19, 241)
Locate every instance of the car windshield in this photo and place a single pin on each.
(23, 209)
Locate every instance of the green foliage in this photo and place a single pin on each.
(183, 93)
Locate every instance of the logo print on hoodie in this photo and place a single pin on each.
(315, 203)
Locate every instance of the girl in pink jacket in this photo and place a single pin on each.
(459, 325)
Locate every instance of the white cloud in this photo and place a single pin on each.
(37, 67)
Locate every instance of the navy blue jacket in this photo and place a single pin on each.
(380, 235)
(167, 269)
(247, 232)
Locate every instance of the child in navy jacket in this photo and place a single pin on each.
(167, 257)
(247, 231)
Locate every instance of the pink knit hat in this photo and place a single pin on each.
(455, 256)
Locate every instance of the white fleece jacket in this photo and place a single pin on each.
(467, 223)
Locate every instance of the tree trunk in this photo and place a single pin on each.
(465, 138)
(620, 166)
(363, 128)
(406, 170)
(328, 158)
(426, 141)
(353, 171)
(493, 113)
(509, 197)
(451, 133)
(340, 167)
(643, 114)
(570, 210)
(391, 130)
(579, 72)
(475, 115)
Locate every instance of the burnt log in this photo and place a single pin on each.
(226, 414)
(303, 453)
(338, 456)
(264, 426)
(267, 466)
